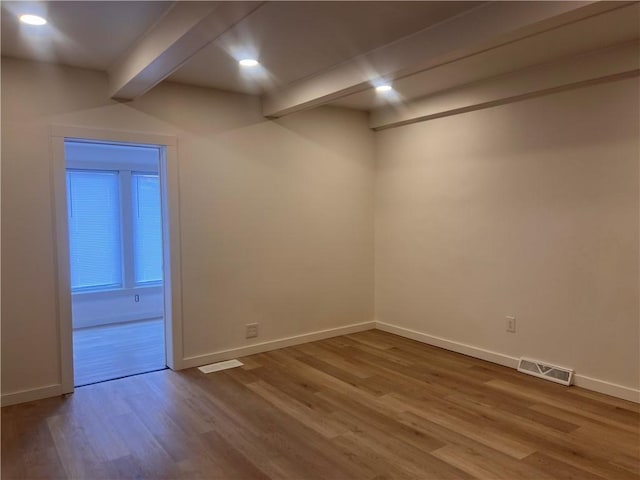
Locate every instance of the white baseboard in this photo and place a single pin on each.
(99, 322)
(589, 383)
(29, 395)
(595, 384)
(199, 360)
(608, 388)
(457, 347)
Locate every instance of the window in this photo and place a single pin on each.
(93, 202)
(147, 228)
(115, 220)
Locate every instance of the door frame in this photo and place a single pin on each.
(170, 205)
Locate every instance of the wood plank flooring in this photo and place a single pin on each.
(118, 350)
(364, 406)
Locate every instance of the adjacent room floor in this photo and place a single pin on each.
(118, 350)
(362, 406)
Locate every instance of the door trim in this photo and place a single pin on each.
(172, 268)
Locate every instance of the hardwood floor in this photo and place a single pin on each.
(117, 350)
(365, 406)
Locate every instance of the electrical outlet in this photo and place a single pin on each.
(511, 324)
(252, 330)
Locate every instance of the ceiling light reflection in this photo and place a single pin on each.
(248, 62)
(32, 20)
(383, 88)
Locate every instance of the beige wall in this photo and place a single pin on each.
(277, 216)
(528, 209)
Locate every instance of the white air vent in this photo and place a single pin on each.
(546, 371)
(216, 367)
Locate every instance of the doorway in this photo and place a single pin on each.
(115, 244)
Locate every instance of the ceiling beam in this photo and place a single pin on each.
(485, 27)
(186, 28)
(605, 65)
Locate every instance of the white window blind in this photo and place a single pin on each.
(93, 201)
(147, 228)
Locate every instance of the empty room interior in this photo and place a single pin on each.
(320, 240)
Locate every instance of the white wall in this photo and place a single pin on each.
(92, 309)
(276, 216)
(528, 209)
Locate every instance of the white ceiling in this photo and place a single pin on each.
(596, 32)
(294, 40)
(81, 34)
(298, 41)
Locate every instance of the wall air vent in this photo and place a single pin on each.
(544, 370)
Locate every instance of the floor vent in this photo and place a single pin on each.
(546, 371)
(216, 367)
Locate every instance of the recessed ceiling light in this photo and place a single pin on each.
(32, 20)
(248, 62)
(383, 88)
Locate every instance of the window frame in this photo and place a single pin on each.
(150, 283)
(125, 186)
(112, 286)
